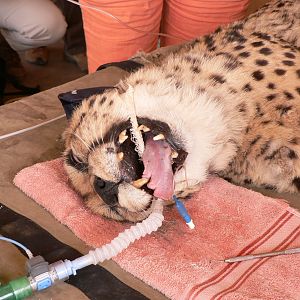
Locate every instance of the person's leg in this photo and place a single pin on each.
(107, 40)
(29, 24)
(75, 48)
(13, 72)
(188, 19)
(74, 37)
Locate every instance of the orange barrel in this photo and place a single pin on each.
(191, 18)
(107, 40)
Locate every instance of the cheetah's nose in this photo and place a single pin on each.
(107, 190)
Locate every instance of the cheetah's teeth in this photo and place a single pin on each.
(143, 128)
(140, 182)
(123, 137)
(159, 137)
(120, 156)
(174, 154)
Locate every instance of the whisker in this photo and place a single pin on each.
(83, 142)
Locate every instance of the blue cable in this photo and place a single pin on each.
(28, 252)
(183, 212)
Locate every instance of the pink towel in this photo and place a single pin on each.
(183, 263)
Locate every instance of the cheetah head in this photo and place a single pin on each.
(137, 142)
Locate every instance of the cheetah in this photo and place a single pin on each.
(226, 104)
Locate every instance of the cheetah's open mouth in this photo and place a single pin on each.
(161, 158)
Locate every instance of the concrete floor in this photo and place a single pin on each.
(55, 73)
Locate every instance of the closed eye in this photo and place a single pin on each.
(73, 161)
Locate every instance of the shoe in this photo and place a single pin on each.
(37, 56)
(79, 59)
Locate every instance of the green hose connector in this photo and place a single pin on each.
(17, 289)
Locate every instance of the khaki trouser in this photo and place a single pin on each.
(29, 24)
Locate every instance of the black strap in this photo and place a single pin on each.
(126, 65)
(71, 100)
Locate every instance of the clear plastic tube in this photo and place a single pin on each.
(116, 246)
(28, 252)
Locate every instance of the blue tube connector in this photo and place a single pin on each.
(183, 212)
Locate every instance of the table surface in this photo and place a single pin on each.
(42, 144)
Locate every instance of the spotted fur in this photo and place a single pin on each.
(229, 100)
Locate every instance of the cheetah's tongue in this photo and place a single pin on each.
(158, 167)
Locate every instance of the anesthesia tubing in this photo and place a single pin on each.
(117, 245)
(41, 275)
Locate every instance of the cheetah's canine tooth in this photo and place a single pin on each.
(159, 137)
(143, 128)
(120, 156)
(140, 182)
(123, 137)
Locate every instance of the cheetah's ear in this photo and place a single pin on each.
(71, 100)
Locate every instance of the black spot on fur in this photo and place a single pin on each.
(178, 85)
(247, 181)
(247, 129)
(103, 99)
(261, 35)
(200, 90)
(209, 42)
(294, 141)
(257, 44)
(244, 54)
(283, 109)
(194, 43)
(232, 64)
(239, 47)
(265, 51)
(271, 86)
(219, 29)
(265, 147)
(218, 78)
(271, 97)
(298, 73)
(266, 122)
(169, 76)
(247, 87)
(292, 154)
(280, 72)
(176, 68)
(241, 107)
(188, 58)
(92, 101)
(254, 141)
(290, 55)
(195, 69)
(279, 123)
(258, 75)
(259, 112)
(238, 26)
(288, 62)
(232, 90)
(288, 95)
(261, 62)
(296, 182)
(272, 155)
(235, 36)
(269, 186)
(110, 103)
(298, 90)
